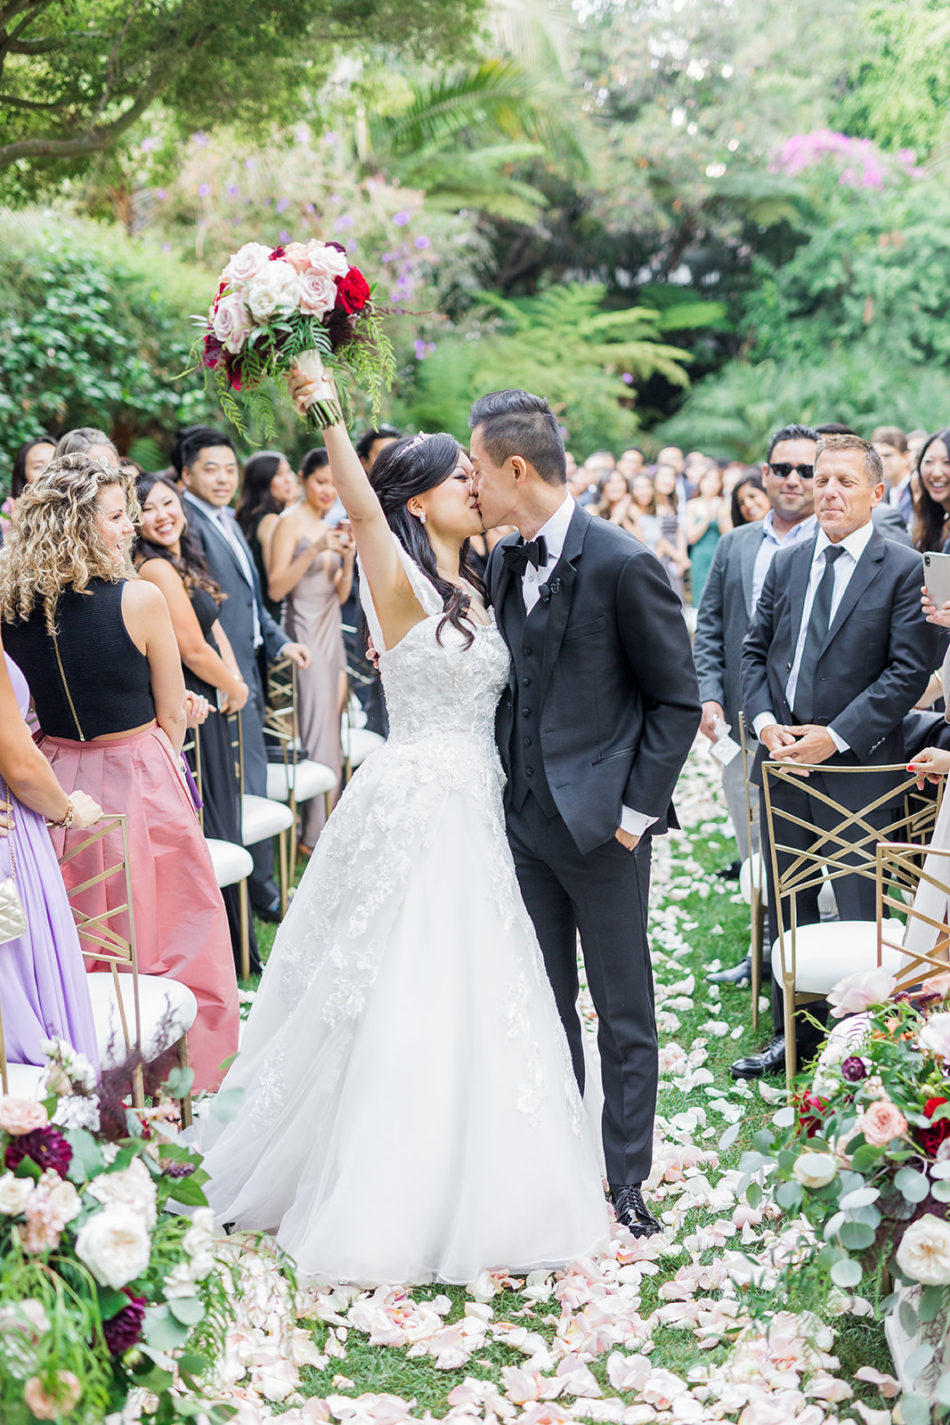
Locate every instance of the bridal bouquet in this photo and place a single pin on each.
(303, 306)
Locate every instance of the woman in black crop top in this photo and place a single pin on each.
(99, 653)
(172, 559)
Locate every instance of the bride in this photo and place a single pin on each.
(409, 1111)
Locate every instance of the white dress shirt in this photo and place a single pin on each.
(771, 543)
(222, 520)
(853, 546)
(554, 534)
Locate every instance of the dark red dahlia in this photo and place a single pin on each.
(45, 1146)
(853, 1069)
(339, 247)
(213, 351)
(352, 291)
(232, 366)
(124, 1330)
(278, 252)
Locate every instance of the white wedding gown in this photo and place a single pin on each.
(409, 1110)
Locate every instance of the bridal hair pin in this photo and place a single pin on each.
(416, 440)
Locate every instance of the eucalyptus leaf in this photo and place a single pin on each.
(87, 1159)
(918, 1360)
(913, 1186)
(789, 1194)
(162, 1331)
(754, 1194)
(915, 1409)
(859, 1197)
(941, 1190)
(186, 1309)
(856, 1236)
(846, 1272)
(784, 1118)
(931, 1304)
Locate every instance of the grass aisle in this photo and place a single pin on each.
(694, 1326)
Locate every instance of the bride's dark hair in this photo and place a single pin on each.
(407, 468)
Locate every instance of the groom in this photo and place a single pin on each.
(600, 712)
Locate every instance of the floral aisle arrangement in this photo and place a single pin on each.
(863, 1160)
(107, 1291)
(300, 305)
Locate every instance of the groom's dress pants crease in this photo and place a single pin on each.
(603, 896)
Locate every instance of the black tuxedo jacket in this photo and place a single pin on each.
(620, 704)
(237, 611)
(875, 662)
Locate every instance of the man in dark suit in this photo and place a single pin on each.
(210, 478)
(730, 595)
(599, 715)
(837, 654)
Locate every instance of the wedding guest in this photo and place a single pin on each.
(43, 990)
(887, 519)
(837, 654)
(268, 487)
(707, 519)
(29, 463)
(631, 462)
(99, 653)
(372, 441)
(890, 442)
(169, 556)
(915, 444)
(733, 586)
(210, 478)
(749, 500)
(615, 502)
(312, 568)
(88, 440)
(672, 545)
(931, 526)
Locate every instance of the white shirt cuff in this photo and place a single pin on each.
(635, 823)
(839, 742)
(764, 720)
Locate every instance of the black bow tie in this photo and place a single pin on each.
(530, 551)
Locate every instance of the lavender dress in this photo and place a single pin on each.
(43, 991)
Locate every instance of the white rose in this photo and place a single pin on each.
(64, 1201)
(179, 1282)
(13, 1194)
(924, 1252)
(935, 1035)
(114, 1244)
(327, 259)
(202, 1265)
(132, 1188)
(275, 290)
(814, 1170)
(246, 263)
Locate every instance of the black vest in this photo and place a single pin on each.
(525, 637)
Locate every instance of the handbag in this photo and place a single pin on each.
(12, 915)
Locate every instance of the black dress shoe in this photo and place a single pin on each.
(730, 872)
(771, 1060)
(740, 975)
(632, 1211)
(270, 913)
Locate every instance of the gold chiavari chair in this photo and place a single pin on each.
(295, 778)
(261, 818)
(232, 863)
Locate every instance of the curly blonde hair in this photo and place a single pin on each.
(54, 541)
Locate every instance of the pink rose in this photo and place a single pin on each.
(937, 985)
(231, 322)
(859, 991)
(882, 1122)
(317, 292)
(51, 1404)
(21, 1115)
(297, 255)
(328, 258)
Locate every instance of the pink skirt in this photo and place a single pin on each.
(181, 928)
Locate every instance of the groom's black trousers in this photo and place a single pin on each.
(604, 896)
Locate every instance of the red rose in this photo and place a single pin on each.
(811, 1113)
(277, 254)
(352, 291)
(931, 1106)
(930, 1139)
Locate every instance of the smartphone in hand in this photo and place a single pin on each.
(937, 578)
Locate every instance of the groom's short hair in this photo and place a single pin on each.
(517, 423)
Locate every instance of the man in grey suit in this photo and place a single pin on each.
(210, 478)
(732, 590)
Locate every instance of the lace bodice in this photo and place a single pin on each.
(439, 687)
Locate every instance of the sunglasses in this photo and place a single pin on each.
(783, 470)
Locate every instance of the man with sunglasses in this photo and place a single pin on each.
(730, 595)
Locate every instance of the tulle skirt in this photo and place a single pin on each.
(181, 928)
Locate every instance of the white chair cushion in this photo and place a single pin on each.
(825, 953)
(261, 818)
(310, 779)
(25, 1081)
(232, 863)
(751, 873)
(359, 743)
(168, 1010)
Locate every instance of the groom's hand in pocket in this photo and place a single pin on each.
(627, 841)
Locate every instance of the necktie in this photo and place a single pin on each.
(532, 551)
(818, 625)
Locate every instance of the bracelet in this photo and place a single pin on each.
(69, 818)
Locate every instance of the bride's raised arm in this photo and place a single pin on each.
(396, 605)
